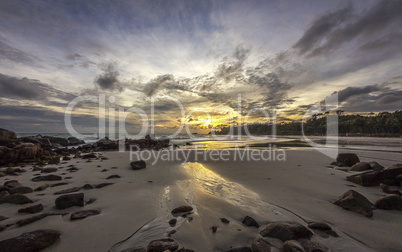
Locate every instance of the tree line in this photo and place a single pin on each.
(384, 124)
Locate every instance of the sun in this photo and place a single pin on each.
(207, 122)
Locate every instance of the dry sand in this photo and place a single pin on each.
(301, 189)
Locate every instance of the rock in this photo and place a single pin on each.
(376, 166)
(87, 186)
(240, 249)
(162, 245)
(250, 222)
(113, 176)
(311, 246)
(182, 209)
(354, 201)
(27, 152)
(138, 165)
(42, 187)
(224, 220)
(261, 245)
(88, 156)
(103, 185)
(50, 177)
(399, 180)
(348, 159)
(3, 194)
(388, 190)
(32, 219)
(31, 209)
(16, 199)
(66, 158)
(69, 200)
(389, 202)
(374, 178)
(214, 229)
(83, 214)
(3, 218)
(71, 190)
(49, 170)
(285, 230)
(292, 246)
(90, 201)
(31, 241)
(361, 166)
(173, 222)
(59, 184)
(185, 250)
(12, 184)
(8, 134)
(319, 225)
(20, 190)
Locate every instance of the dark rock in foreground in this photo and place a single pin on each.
(50, 177)
(16, 199)
(348, 159)
(20, 190)
(389, 202)
(312, 246)
(354, 201)
(361, 166)
(83, 214)
(285, 230)
(374, 178)
(292, 246)
(182, 209)
(388, 190)
(69, 200)
(260, 245)
(162, 245)
(138, 165)
(32, 241)
(250, 222)
(31, 209)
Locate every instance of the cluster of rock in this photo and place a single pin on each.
(371, 174)
(294, 236)
(49, 150)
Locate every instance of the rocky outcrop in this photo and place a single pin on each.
(25, 152)
(355, 202)
(8, 134)
(285, 230)
(361, 166)
(75, 141)
(58, 140)
(31, 241)
(374, 178)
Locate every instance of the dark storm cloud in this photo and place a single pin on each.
(348, 92)
(109, 79)
(389, 98)
(377, 19)
(320, 28)
(154, 85)
(29, 89)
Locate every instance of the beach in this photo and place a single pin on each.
(136, 208)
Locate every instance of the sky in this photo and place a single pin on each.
(222, 61)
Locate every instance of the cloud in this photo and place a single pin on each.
(348, 92)
(227, 71)
(154, 85)
(109, 79)
(13, 54)
(320, 28)
(339, 31)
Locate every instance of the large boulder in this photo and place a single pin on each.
(138, 165)
(69, 200)
(354, 201)
(27, 152)
(44, 142)
(31, 241)
(389, 202)
(285, 230)
(361, 166)
(8, 134)
(348, 159)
